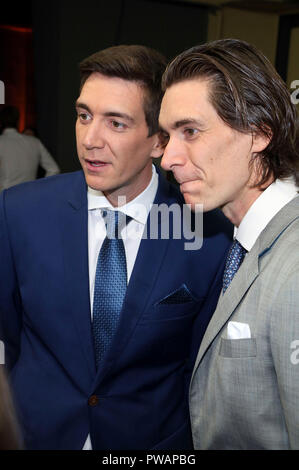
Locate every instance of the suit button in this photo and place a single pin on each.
(93, 400)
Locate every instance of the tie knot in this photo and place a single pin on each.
(114, 221)
(236, 250)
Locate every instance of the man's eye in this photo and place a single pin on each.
(83, 116)
(118, 125)
(190, 132)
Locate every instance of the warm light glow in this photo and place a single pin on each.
(18, 29)
(17, 70)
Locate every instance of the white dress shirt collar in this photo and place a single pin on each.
(138, 209)
(264, 208)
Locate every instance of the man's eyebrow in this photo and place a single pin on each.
(79, 104)
(126, 116)
(183, 122)
(187, 122)
(119, 114)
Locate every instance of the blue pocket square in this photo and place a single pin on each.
(182, 295)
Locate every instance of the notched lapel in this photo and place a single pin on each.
(75, 250)
(228, 301)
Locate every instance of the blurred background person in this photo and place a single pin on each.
(10, 438)
(20, 155)
(29, 131)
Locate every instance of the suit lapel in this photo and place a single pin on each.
(75, 252)
(247, 274)
(228, 301)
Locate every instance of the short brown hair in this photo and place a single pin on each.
(248, 95)
(134, 63)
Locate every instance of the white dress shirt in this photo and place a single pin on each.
(20, 156)
(264, 208)
(138, 209)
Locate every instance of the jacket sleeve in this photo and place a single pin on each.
(285, 351)
(10, 300)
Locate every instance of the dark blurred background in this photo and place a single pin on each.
(42, 42)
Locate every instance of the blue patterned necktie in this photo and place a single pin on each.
(233, 262)
(110, 284)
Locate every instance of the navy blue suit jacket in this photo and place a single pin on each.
(141, 388)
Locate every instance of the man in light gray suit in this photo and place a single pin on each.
(230, 130)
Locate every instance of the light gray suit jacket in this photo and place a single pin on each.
(244, 393)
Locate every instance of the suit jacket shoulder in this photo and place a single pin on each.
(286, 220)
(47, 191)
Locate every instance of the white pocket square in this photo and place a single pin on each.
(236, 330)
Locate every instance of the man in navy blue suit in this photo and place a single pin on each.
(52, 234)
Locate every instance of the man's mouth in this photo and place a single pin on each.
(188, 184)
(95, 163)
(185, 180)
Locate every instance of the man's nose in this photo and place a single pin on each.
(173, 154)
(93, 137)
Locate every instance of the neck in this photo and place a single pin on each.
(236, 210)
(125, 194)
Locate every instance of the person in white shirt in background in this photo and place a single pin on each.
(21, 155)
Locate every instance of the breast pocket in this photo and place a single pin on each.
(244, 347)
(170, 312)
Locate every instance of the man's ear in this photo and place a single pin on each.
(261, 139)
(159, 146)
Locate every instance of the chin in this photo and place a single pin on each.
(192, 201)
(95, 182)
(96, 187)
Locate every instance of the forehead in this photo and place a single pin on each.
(100, 91)
(186, 99)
